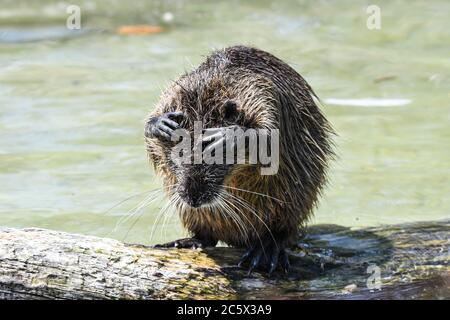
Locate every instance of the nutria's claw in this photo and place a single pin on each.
(270, 258)
(218, 137)
(284, 261)
(163, 126)
(186, 243)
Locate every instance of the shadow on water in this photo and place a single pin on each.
(408, 261)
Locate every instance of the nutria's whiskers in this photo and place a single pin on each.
(129, 198)
(224, 204)
(171, 212)
(150, 197)
(247, 205)
(242, 213)
(253, 192)
(163, 211)
(136, 211)
(133, 210)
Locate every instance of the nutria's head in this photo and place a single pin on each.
(216, 100)
(199, 183)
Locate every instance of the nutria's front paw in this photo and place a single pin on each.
(269, 257)
(164, 126)
(186, 243)
(216, 138)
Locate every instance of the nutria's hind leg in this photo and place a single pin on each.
(189, 243)
(270, 257)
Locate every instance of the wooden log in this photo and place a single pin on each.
(37, 263)
(402, 262)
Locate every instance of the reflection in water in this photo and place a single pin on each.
(18, 35)
(72, 110)
(408, 261)
(368, 102)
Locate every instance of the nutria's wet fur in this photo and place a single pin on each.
(269, 94)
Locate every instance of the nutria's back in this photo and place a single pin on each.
(243, 207)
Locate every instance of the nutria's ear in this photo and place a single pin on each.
(230, 110)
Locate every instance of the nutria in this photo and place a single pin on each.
(243, 87)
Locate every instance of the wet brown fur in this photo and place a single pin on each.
(270, 94)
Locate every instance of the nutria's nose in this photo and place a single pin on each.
(195, 202)
(193, 191)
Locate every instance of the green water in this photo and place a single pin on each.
(72, 110)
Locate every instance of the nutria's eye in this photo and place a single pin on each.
(230, 110)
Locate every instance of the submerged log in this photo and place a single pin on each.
(402, 262)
